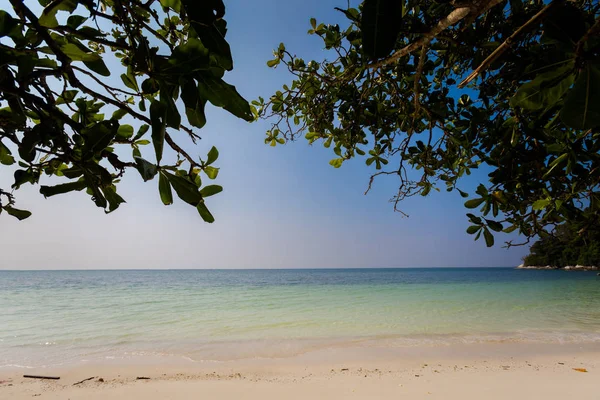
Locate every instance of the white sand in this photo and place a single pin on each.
(478, 371)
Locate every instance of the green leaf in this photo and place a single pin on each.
(164, 188)
(336, 162)
(141, 132)
(90, 32)
(474, 219)
(222, 94)
(494, 225)
(541, 204)
(581, 109)
(22, 176)
(210, 190)
(129, 81)
(113, 198)
(212, 156)
(48, 191)
(48, 17)
(194, 106)
(5, 155)
(206, 21)
(211, 172)
(97, 66)
(146, 169)
(125, 131)
(150, 86)
(67, 96)
(471, 230)
(15, 212)
(510, 229)
(186, 190)
(76, 54)
(190, 56)
(97, 138)
(554, 164)
(272, 63)
(173, 4)
(118, 114)
(173, 117)
(204, 213)
(7, 24)
(545, 90)
(74, 21)
(489, 238)
(463, 194)
(474, 203)
(158, 113)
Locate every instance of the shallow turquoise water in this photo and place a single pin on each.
(53, 317)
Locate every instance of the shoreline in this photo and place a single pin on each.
(467, 371)
(51, 357)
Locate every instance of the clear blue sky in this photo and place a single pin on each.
(282, 207)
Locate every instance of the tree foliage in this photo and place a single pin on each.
(566, 248)
(85, 84)
(449, 87)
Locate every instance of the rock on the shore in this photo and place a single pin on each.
(567, 268)
(535, 267)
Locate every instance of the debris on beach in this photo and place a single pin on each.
(41, 377)
(580, 369)
(84, 380)
(142, 377)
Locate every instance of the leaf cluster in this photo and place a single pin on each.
(86, 84)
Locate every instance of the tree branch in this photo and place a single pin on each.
(506, 44)
(178, 149)
(451, 19)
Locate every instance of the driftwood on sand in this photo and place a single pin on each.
(41, 377)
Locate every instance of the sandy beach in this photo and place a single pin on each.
(474, 371)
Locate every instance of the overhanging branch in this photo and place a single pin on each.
(451, 19)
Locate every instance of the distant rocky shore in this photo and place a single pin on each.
(567, 268)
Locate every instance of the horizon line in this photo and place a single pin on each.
(241, 269)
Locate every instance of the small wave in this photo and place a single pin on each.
(16, 366)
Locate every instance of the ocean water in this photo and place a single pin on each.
(52, 318)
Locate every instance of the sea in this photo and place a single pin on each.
(50, 318)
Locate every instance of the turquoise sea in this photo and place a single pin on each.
(51, 318)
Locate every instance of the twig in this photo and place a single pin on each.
(87, 379)
(178, 149)
(506, 44)
(108, 88)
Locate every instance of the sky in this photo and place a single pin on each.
(282, 207)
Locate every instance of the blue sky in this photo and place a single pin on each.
(282, 207)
